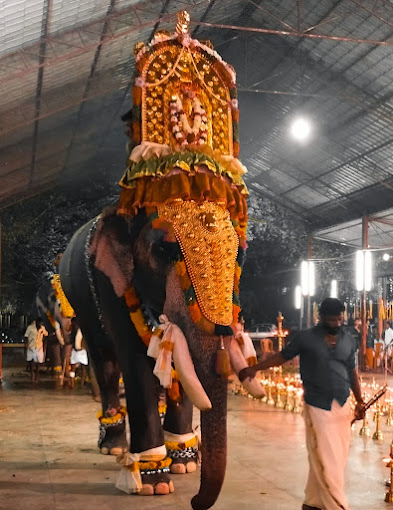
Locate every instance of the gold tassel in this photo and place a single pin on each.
(223, 365)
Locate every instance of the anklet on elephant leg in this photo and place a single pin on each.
(184, 455)
(112, 433)
(144, 477)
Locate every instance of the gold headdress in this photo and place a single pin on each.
(184, 127)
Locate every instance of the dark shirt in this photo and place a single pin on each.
(370, 339)
(356, 335)
(326, 373)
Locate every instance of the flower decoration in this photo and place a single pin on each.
(184, 133)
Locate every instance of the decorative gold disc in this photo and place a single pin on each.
(209, 245)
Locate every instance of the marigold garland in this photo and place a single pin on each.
(162, 408)
(172, 445)
(66, 308)
(110, 420)
(134, 308)
(150, 465)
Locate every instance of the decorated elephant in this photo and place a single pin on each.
(56, 314)
(154, 281)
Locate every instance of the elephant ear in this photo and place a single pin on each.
(111, 248)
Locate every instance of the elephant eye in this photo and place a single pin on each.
(165, 251)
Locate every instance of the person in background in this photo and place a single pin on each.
(78, 353)
(387, 337)
(328, 372)
(369, 347)
(356, 332)
(34, 338)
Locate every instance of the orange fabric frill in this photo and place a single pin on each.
(200, 187)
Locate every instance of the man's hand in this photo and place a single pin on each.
(247, 373)
(360, 410)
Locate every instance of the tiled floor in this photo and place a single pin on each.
(49, 459)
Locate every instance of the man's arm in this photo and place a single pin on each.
(274, 361)
(357, 391)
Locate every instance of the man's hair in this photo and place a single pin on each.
(331, 306)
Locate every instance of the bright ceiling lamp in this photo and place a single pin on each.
(300, 129)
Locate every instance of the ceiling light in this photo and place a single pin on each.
(300, 129)
(386, 257)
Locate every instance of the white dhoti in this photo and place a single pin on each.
(328, 435)
(36, 355)
(79, 357)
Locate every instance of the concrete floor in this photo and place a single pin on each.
(49, 459)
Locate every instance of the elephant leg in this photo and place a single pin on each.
(112, 437)
(147, 439)
(55, 356)
(142, 392)
(180, 440)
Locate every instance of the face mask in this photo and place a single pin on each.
(331, 330)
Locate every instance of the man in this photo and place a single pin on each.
(327, 368)
(34, 338)
(356, 331)
(388, 336)
(369, 347)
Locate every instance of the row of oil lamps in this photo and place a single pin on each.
(286, 392)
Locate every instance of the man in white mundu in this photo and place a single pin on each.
(328, 372)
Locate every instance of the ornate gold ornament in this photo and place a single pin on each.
(209, 245)
(183, 164)
(179, 67)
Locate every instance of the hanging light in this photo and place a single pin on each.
(367, 271)
(333, 289)
(385, 257)
(307, 277)
(298, 297)
(363, 270)
(311, 278)
(359, 270)
(300, 129)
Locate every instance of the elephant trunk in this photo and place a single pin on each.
(214, 447)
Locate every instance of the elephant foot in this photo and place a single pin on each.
(112, 451)
(112, 434)
(156, 482)
(184, 456)
(180, 468)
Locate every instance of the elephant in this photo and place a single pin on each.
(133, 250)
(154, 280)
(57, 324)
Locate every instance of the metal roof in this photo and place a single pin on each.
(66, 69)
(380, 232)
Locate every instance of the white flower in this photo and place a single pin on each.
(235, 103)
(173, 118)
(139, 82)
(178, 135)
(175, 129)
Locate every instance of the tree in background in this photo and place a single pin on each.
(37, 229)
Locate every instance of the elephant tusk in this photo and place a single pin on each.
(188, 378)
(238, 362)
